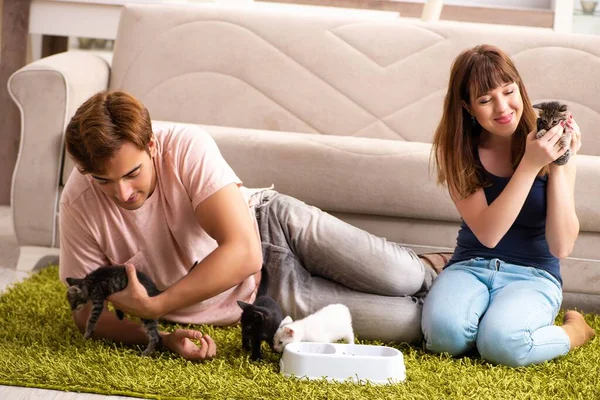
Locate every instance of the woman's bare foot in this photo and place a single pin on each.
(577, 328)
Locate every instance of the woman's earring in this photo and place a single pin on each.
(473, 120)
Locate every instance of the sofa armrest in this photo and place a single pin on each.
(587, 192)
(47, 93)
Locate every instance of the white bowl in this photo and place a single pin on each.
(340, 362)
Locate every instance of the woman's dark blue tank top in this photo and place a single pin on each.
(525, 242)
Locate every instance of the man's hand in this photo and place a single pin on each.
(179, 342)
(134, 299)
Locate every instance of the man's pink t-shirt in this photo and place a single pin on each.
(162, 238)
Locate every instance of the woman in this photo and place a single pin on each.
(502, 289)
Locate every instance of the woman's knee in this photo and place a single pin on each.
(445, 333)
(451, 317)
(502, 344)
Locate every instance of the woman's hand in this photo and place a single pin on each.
(134, 299)
(575, 135)
(575, 143)
(179, 341)
(541, 152)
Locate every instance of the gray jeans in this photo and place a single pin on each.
(314, 259)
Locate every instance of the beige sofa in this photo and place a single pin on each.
(338, 111)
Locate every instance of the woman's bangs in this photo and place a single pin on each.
(488, 75)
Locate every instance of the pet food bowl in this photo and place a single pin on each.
(340, 362)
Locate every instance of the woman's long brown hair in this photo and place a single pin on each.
(475, 72)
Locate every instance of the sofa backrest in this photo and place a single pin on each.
(334, 75)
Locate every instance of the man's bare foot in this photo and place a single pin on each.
(577, 328)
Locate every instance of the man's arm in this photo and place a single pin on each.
(79, 254)
(130, 332)
(226, 218)
(111, 327)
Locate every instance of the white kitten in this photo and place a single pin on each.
(329, 324)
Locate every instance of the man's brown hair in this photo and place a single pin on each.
(100, 127)
(475, 72)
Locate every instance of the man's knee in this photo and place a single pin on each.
(402, 271)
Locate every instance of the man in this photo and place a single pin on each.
(160, 197)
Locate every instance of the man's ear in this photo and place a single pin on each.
(152, 146)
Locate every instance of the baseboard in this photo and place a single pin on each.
(34, 257)
(589, 303)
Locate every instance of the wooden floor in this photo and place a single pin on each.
(13, 269)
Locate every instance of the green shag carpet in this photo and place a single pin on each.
(40, 347)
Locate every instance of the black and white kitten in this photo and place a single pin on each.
(100, 284)
(260, 320)
(551, 114)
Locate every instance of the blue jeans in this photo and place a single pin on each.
(314, 259)
(506, 310)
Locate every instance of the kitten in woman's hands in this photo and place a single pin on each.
(552, 113)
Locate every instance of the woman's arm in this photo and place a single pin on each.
(562, 224)
(490, 223)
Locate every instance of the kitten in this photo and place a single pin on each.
(551, 114)
(259, 320)
(100, 284)
(329, 324)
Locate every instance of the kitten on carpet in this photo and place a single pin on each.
(100, 284)
(551, 114)
(329, 324)
(259, 320)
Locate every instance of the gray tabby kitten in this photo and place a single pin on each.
(100, 284)
(551, 114)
